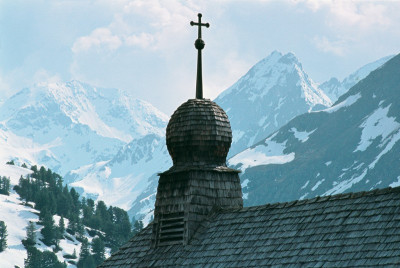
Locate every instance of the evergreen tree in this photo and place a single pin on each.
(75, 201)
(85, 258)
(45, 259)
(45, 189)
(34, 168)
(31, 234)
(72, 225)
(80, 228)
(137, 227)
(61, 227)
(98, 249)
(3, 236)
(34, 258)
(48, 230)
(24, 165)
(4, 185)
(102, 214)
(49, 260)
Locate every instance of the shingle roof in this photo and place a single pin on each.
(346, 230)
(199, 133)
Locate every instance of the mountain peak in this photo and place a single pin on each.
(273, 91)
(352, 146)
(76, 116)
(290, 58)
(276, 58)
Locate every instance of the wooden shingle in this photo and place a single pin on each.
(237, 238)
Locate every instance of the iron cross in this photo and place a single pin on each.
(199, 44)
(199, 24)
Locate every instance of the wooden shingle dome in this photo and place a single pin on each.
(199, 134)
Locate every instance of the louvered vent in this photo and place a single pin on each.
(171, 229)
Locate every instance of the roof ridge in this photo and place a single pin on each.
(351, 195)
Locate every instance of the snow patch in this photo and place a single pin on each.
(396, 183)
(13, 172)
(347, 184)
(391, 142)
(377, 124)
(270, 152)
(305, 185)
(317, 185)
(301, 135)
(237, 135)
(303, 196)
(262, 120)
(347, 102)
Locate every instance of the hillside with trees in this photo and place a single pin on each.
(63, 215)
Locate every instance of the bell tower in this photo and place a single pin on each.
(198, 136)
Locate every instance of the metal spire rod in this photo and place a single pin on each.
(199, 44)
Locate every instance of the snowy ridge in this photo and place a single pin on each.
(78, 124)
(24, 150)
(347, 102)
(351, 146)
(271, 93)
(272, 71)
(334, 88)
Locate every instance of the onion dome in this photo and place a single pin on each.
(199, 134)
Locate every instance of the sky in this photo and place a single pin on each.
(146, 47)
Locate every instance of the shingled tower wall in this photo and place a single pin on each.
(198, 139)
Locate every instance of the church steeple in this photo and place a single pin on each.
(199, 44)
(198, 137)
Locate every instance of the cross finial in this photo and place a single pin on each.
(199, 44)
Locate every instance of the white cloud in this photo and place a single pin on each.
(145, 24)
(4, 88)
(324, 44)
(43, 75)
(232, 66)
(361, 14)
(143, 40)
(100, 37)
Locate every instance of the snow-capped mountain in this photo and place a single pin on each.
(334, 88)
(68, 125)
(352, 146)
(272, 92)
(129, 179)
(120, 175)
(110, 146)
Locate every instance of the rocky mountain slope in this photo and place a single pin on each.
(352, 146)
(271, 93)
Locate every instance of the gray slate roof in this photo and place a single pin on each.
(346, 230)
